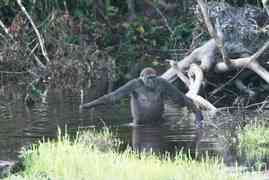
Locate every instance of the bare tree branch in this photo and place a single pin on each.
(6, 29)
(265, 4)
(28, 49)
(196, 77)
(213, 33)
(40, 38)
(261, 71)
(163, 17)
(243, 63)
(205, 57)
(260, 51)
(181, 76)
(240, 85)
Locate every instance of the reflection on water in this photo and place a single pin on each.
(148, 138)
(161, 139)
(21, 126)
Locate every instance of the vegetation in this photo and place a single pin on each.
(90, 42)
(253, 145)
(75, 30)
(105, 41)
(84, 158)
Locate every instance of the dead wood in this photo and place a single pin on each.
(39, 63)
(40, 38)
(215, 34)
(204, 59)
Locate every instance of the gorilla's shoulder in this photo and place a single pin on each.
(161, 80)
(137, 82)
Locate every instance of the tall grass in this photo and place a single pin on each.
(83, 159)
(254, 143)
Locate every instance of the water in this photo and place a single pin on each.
(21, 125)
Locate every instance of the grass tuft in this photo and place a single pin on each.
(92, 156)
(254, 144)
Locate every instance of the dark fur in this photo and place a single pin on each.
(147, 99)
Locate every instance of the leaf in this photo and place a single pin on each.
(140, 29)
(78, 13)
(35, 92)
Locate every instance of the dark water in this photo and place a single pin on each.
(22, 125)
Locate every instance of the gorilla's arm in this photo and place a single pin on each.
(178, 97)
(114, 96)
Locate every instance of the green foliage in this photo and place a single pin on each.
(254, 144)
(102, 140)
(243, 2)
(129, 42)
(137, 38)
(7, 3)
(112, 11)
(43, 8)
(72, 39)
(79, 159)
(144, 41)
(183, 33)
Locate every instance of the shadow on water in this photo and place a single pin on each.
(22, 126)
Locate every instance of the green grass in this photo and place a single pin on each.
(254, 143)
(86, 158)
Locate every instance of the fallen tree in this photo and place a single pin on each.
(233, 31)
(75, 51)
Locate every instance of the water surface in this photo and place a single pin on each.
(22, 125)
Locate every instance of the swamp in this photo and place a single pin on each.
(56, 55)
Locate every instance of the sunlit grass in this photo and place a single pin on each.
(254, 142)
(82, 158)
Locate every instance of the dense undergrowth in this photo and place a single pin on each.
(96, 43)
(85, 48)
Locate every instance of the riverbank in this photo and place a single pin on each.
(95, 155)
(253, 145)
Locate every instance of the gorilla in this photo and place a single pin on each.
(148, 93)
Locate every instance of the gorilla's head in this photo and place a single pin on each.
(148, 76)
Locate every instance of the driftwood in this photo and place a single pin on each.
(203, 59)
(188, 64)
(194, 83)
